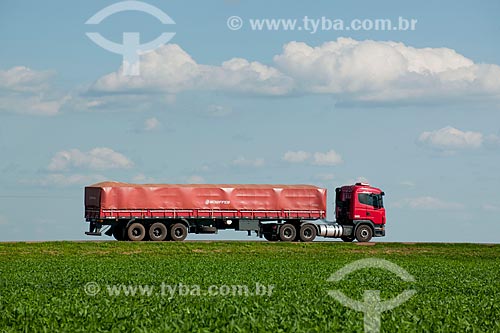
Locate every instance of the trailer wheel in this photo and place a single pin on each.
(364, 233)
(136, 232)
(347, 238)
(307, 233)
(158, 232)
(287, 232)
(119, 232)
(178, 232)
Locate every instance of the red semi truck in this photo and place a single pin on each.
(159, 212)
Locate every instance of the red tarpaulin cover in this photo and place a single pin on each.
(113, 195)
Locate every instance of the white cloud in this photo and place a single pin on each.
(354, 71)
(61, 180)
(450, 138)
(329, 158)
(368, 72)
(24, 79)
(23, 90)
(169, 69)
(33, 105)
(375, 71)
(296, 156)
(244, 162)
(195, 179)
(427, 203)
(151, 124)
(98, 159)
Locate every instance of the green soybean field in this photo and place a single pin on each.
(246, 287)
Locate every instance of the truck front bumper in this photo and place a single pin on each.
(379, 230)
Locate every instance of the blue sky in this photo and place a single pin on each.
(415, 113)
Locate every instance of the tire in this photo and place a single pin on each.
(287, 232)
(347, 239)
(270, 237)
(136, 232)
(178, 232)
(364, 233)
(158, 232)
(307, 233)
(119, 232)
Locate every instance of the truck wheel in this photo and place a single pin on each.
(136, 232)
(287, 232)
(178, 232)
(271, 237)
(307, 233)
(364, 233)
(158, 232)
(347, 238)
(119, 232)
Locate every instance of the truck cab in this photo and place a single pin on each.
(360, 205)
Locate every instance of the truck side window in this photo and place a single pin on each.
(366, 199)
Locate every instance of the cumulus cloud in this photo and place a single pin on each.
(378, 71)
(100, 158)
(450, 138)
(296, 156)
(169, 69)
(329, 158)
(354, 71)
(23, 79)
(245, 162)
(427, 203)
(33, 105)
(23, 90)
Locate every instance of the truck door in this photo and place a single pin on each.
(371, 207)
(377, 209)
(365, 210)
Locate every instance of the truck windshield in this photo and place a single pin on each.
(377, 201)
(374, 200)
